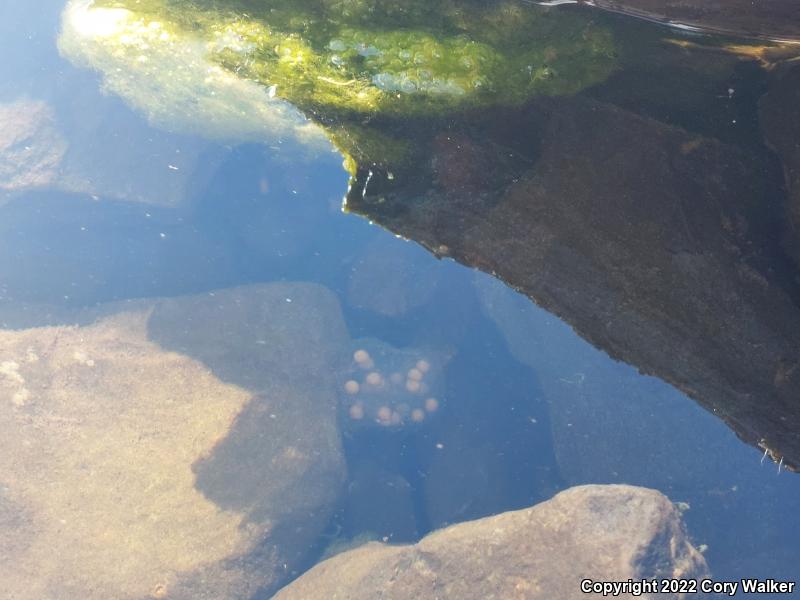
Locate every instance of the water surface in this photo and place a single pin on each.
(132, 210)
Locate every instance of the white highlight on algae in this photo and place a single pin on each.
(172, 80)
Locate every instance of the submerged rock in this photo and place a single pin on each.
(31, 146)
(378, 505)
(392, 278)
(468, 477)
(78, 150)
(607, 533)
(182, 448)
(610, 425)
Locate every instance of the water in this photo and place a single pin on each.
(122, 211)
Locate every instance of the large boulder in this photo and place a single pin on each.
(605, 533)
(181, 448)
(659, 246)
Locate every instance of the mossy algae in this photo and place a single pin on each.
(405, 57)
(341, 61)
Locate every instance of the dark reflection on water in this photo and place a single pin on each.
(528, 407)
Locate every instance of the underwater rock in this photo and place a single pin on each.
(78, 151)
(772, 19)
(96, 145)
(391, 279)
(658, 246)
(181, 448)
(467, 478)
(608, 533)
(361, 56)
(390, 387)
(31, 147)
(114, 155)
(378, 505)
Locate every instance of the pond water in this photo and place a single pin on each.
(434, 392)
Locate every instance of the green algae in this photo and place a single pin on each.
(260, 69)
(168, 76)
(338, 57)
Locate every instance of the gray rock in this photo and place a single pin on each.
(181, 448)
(603, 413)
(600, 532)
(611, 425)
(379, 505)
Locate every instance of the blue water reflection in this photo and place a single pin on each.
(529, 407)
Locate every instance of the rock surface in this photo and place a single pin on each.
(78, 150)
(600, 532)
(603, 412)
(182, 448)
(31, 147)
(658, 246)
(389, 279)
(611, 425)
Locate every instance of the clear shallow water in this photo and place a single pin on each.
(527, 407)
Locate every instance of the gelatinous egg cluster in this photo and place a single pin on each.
(389, 387)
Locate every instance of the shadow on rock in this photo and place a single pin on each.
(660, 246)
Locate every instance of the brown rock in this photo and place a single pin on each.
(379, 504)
(165, 450)
(658, 246)
(599, 532)
(387, 280)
